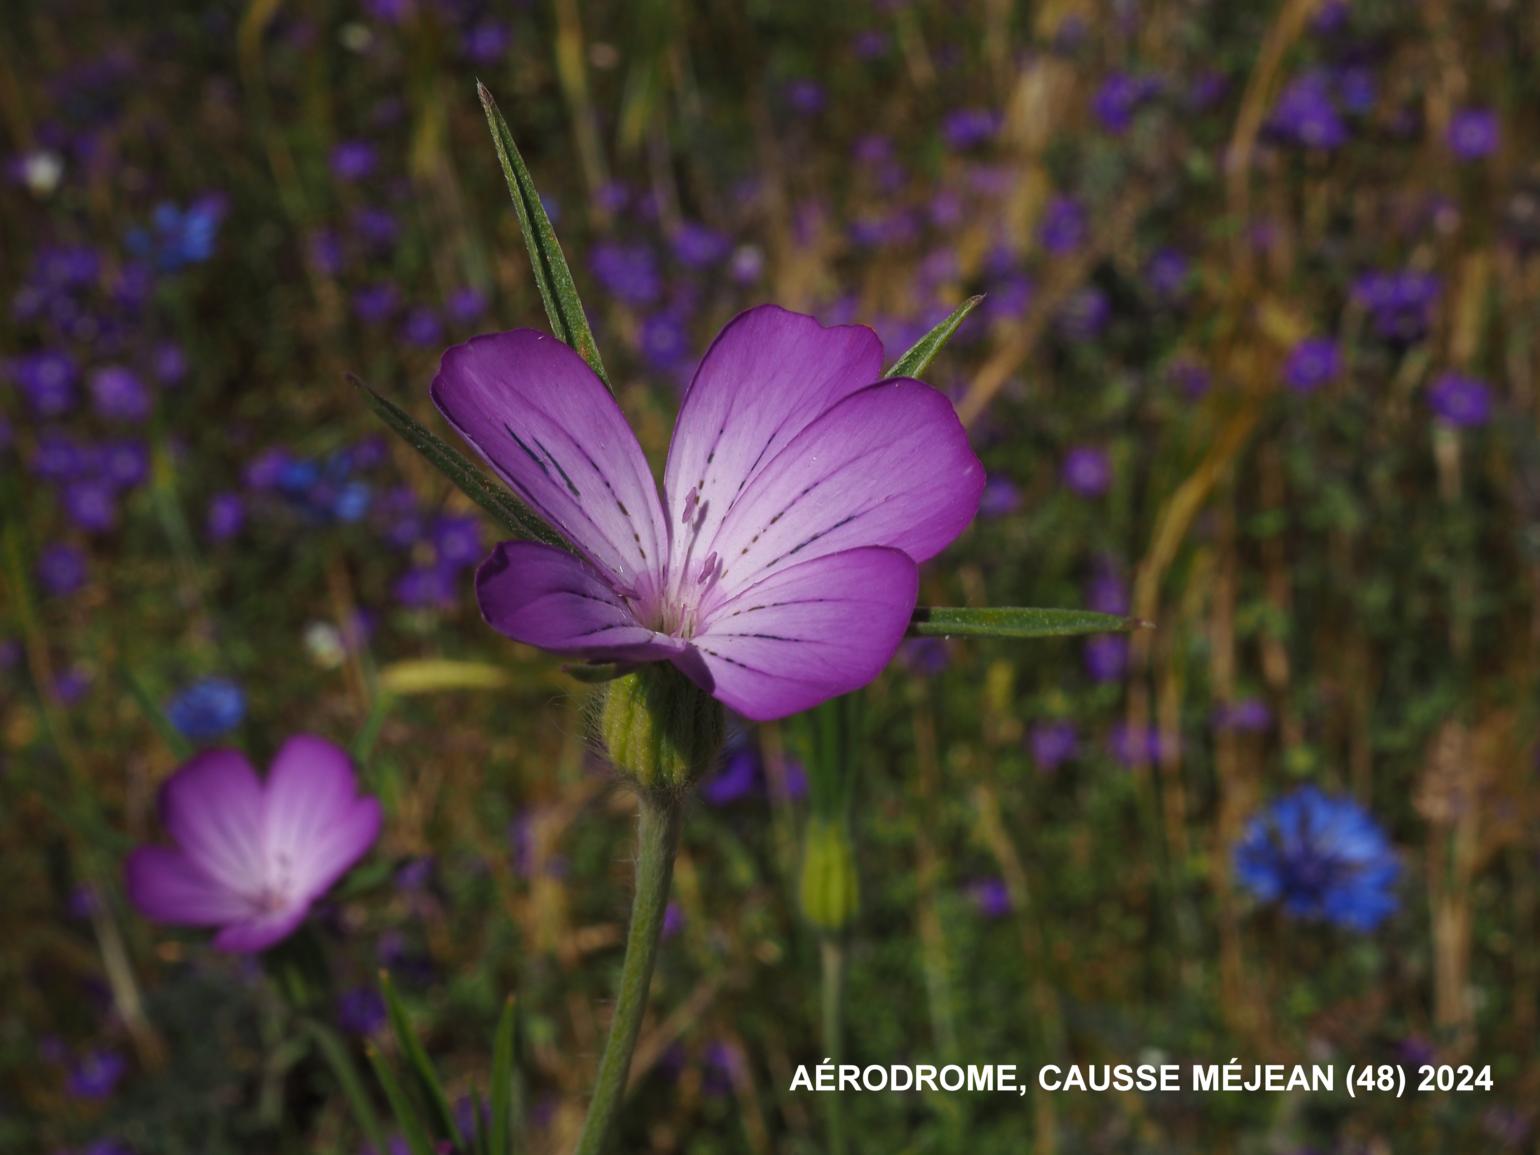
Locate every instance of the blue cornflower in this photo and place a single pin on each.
(178, 237)
(207, 708)
(1320, 857)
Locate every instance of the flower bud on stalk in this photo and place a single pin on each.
(660, 729)
(831, 893)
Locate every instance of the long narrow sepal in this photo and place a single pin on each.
(919, 356)
(1015, 622)
(491, 496)
(552, 276)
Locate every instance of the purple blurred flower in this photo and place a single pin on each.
(118, 394)
(663, 341)
(739, 774)
(354, 160)
(96, 1074)
(1053, 744)
(628, 272)
(1087, 471)
(426, 586)
(1129, 747)
(1168, 275)
(990, 896)
(1106, 657)
(1107, 592)
(374, 304)
(804, 96)
(769, 602)
(457, 538)
(1063, 227)
(91, 504)
(673, 920)
(1313, 362)
(1247, 716)
(925, 657)
(1461, 401)
(253, 855)
(1401, 303)
(123, 464)
(1120, 97)
(1306, 115)
(61, 569)
(747, 265)
(225, 517)
(466, 306)
(422, 327)
(967, 128)
(1001, 496)
(48, 381)
(71, 686)
(361, 1011)
(1473, 133)
(377, 228)
(695, 246)
(487, 41)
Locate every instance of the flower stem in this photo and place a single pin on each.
(657, 842)
(832, 956)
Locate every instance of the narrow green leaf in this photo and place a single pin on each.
(412, 1129)
(485, 492)
(1014, 622)
(502, 1082)
(552, 276)
(180, 747)
(422, 1067)
(478, 1127)
(924, 351)
(336, 1055)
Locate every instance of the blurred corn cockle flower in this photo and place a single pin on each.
(252, 856)
(802, 491)
(1320, 857)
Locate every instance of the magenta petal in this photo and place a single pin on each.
(766, 376)
(550, 428)
(315, 827)
(166, 887)
(888, 466)
(807, 633)
(545, 597)
(212, 807)
(260, 933)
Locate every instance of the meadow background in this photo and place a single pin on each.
(1257, 362)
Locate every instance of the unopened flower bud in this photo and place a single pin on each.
(831, 892)
(660, 729)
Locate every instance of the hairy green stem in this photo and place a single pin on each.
(657, 843)
(832, 956)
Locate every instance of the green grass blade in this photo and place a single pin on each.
(422, 1067)
(924, 351)
(478, 1127)
(412, 1129)
(485, 492)
(336, 1055)
(552, 276)
(502, 1082)
(1013, 622)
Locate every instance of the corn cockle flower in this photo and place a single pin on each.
(252, 856)
(800, 494)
